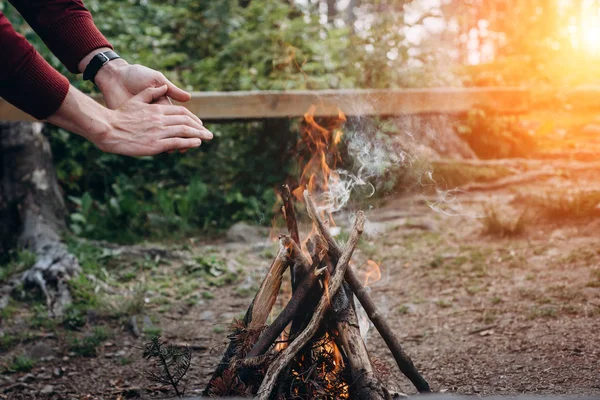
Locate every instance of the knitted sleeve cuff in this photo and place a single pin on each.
(36, 87)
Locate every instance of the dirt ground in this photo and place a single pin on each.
(477, 313)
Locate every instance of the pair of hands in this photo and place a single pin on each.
(142, 120)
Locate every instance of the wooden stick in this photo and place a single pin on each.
(402, 359)
(258, 311)
(289, 213)
(265, 298)
(364, 384)
(270, 335)
(286, 356)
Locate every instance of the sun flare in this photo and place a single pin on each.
(590, 34)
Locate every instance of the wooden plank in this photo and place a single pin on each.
(381, 102)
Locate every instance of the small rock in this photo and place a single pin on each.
(57, 372)
(134, 326)
(244, 233)
(27, 378)
(489, 332)
(48, 389)
(207, 315)
(41, 350)
(120, 353)
(65, 358)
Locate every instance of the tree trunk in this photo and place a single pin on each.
(331, 10)
(32, 213)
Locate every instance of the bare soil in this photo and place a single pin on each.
(478, 314)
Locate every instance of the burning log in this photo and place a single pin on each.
(402, 359)
(288, 354)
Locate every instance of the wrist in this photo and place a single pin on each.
(86, 60)
(109, 72)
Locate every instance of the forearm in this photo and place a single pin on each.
(82, 115)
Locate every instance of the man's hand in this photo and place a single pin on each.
(119, 81)
(137, 128)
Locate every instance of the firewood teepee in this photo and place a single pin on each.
(313, 348)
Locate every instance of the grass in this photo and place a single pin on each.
(594, 280)
(152, 331)
(402, 310)
(566, 203)
(545, 311)
(218, 329)
(495, 224)
(456, 174)
(87, 346)
(21, 363)
(18, 261)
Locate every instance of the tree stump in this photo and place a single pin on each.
(32, 213)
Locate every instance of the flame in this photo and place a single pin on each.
(318, 172)
(282, 342)
(371, 271)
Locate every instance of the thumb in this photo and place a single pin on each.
(151, 94)
(177, 94)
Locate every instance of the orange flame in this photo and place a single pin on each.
(372, 272)
(321, 142)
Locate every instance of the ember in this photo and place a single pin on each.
(313, 348)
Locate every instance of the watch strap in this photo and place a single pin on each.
(97, 62)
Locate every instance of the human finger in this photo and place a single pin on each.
(176, 93)
(163, 100)
(179, 143)
(185, 131)
(171, 120)
(179, 110)
(151, 94)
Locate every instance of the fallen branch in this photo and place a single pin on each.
(402, 359)
(283, 359)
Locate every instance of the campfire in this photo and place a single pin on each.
(313, 348)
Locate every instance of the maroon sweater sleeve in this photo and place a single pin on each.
(66, 27)
(26, 80)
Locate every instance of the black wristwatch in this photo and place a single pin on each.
(96, 63)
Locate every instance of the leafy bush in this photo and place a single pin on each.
(496, 223)
(496, 136)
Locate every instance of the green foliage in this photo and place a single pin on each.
(213, 269)
(20, 363)
(498, 224)
(594, 280)
(87, 346)
(565, 203)
(170, 363)
(492, 136)
(18, 261)
(456, 174)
